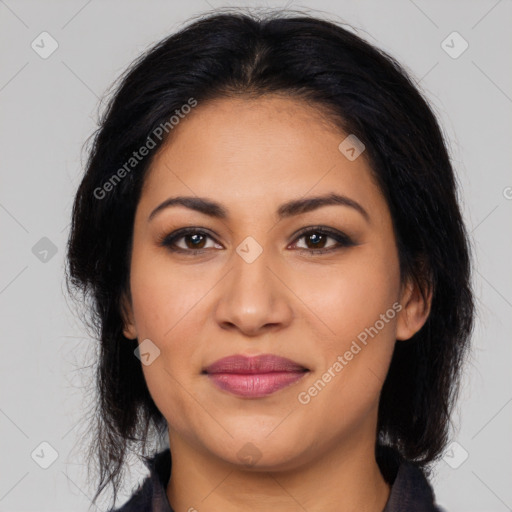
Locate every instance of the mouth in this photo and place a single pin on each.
(256, 376)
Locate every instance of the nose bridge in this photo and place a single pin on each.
(251, 275)
(252, 253)
(252, 296)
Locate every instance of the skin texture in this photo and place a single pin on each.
(252, 155)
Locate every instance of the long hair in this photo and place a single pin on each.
(367, 93)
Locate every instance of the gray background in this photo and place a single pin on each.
(49, 108)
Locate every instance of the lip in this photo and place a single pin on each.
(254, 376)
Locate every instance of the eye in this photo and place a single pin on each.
(316, 238)
(193, 240)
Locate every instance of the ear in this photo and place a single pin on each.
(129, 329)
(414, 312)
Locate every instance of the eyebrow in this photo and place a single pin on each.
(288, 209)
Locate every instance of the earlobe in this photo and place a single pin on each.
(129, 329)
(414, 313)
(129, 332)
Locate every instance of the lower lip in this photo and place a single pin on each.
(254, 385)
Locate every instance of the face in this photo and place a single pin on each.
(317, 285)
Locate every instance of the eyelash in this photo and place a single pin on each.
(342, 239)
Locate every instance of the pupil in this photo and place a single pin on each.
(196, 239)
(317, 237)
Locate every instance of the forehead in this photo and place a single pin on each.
(269, 149)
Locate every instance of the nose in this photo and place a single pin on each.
(252, 298)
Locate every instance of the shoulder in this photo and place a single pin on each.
(410, 488)
(412, 491)
(140, 500)
(151, 492)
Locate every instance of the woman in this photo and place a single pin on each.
(268, 230)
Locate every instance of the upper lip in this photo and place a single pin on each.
(264, 363)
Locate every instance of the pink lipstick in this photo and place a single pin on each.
(256, 376)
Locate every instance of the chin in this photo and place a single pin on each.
(261, 453)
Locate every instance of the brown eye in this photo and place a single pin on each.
(316, 239)
(187, 240)
(196, 240)
(193, 241)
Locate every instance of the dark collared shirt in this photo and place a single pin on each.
(410, 489)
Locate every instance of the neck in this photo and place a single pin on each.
(346, 479)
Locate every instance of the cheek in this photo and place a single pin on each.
(167, 306)
(164, 298)
(355, 317)
(344, 299)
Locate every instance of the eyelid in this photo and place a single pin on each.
(334, 233)
(167, 237)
